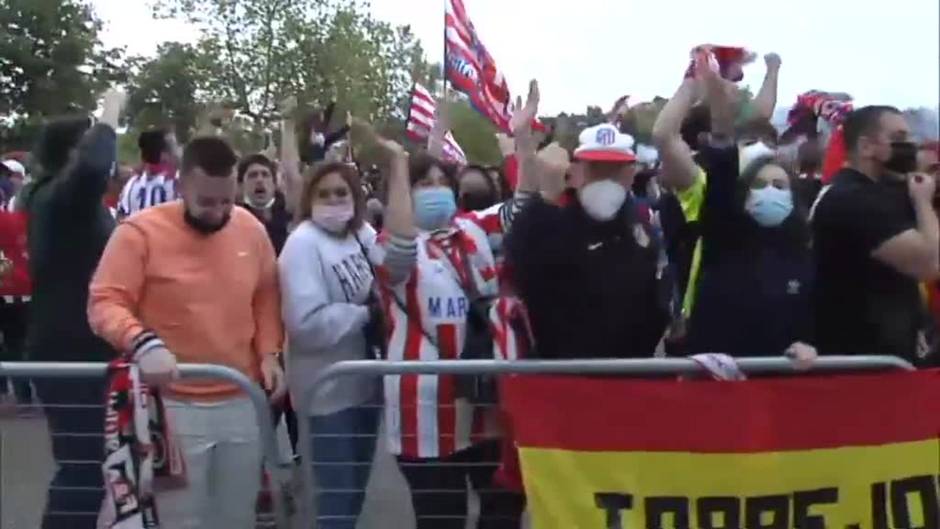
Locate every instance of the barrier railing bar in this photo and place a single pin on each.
(638, 366)
(258, 398)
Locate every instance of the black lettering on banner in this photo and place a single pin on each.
(805, 500)
(758, 509)
(879, 506)
(613, 504)
(904, 489)
(658, 508)
(726, 509)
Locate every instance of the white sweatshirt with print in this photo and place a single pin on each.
(325, 284)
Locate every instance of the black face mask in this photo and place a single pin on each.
(203, 227)
(476, 201)
(903, 157)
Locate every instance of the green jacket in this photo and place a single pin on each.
(69, 227)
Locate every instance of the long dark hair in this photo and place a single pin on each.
(796, 226)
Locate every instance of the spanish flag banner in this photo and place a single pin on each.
(837, 452)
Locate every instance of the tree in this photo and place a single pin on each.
(51, 62)
(164, 91)
(475, 134)
(318, 50)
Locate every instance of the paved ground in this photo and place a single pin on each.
(26, 467)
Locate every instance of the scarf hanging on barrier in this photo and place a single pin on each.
(141, 454)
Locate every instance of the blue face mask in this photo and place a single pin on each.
(434, 207)
(769, 206)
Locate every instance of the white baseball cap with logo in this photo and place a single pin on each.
(605, 143)
(15, 167)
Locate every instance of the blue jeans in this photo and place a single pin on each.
(343, 449)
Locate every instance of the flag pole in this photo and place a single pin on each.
(444, 62)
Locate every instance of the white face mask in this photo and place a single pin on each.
(748, 154)
(334, 219)
(602, 199)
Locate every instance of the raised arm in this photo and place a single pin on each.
(290, 157)
(916, 252)
(332, 137)
(766, 99)
(400, 241)
(439, 130)
(521, 124)
(85, 179)
(678, 169)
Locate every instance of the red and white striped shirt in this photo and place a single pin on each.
(424, 417)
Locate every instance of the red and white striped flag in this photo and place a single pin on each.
(472, 70)
(421, 121)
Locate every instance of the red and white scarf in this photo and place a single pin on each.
(141, 455)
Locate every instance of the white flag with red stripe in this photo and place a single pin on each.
(421, 120)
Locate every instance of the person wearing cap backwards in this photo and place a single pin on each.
(589, 272)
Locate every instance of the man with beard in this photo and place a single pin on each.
(196, 281)
(68, 227)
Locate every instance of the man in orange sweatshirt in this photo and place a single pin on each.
(195, 281)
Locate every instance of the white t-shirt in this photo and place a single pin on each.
(145, 190)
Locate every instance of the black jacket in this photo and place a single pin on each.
(278, 226)
(69, 227)
(592, 289)
(754, 293)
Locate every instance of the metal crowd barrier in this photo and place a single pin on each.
(388, 505)
(48, 370)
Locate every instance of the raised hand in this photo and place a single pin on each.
(921, 188)
(391, 147)
(288, 105)
(442, 115)
(620, 107)
(525, 115)
(114, 102)
(773, 61)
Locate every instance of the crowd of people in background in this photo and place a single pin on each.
(725, 235)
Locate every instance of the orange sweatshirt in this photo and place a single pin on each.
(211, 299)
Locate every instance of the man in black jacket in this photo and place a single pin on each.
(591, 273)
(68, 229)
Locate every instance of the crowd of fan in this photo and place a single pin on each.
(723, 237)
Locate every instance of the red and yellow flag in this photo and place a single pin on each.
(845, 452)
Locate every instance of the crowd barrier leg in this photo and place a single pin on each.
(81, 436)
(320, 439)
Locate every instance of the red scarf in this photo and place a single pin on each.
(141, 454)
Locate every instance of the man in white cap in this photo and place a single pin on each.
(17, 177)
(589, 273)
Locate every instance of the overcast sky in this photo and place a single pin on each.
(588, 52)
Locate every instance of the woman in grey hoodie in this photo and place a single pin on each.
(326, 284)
